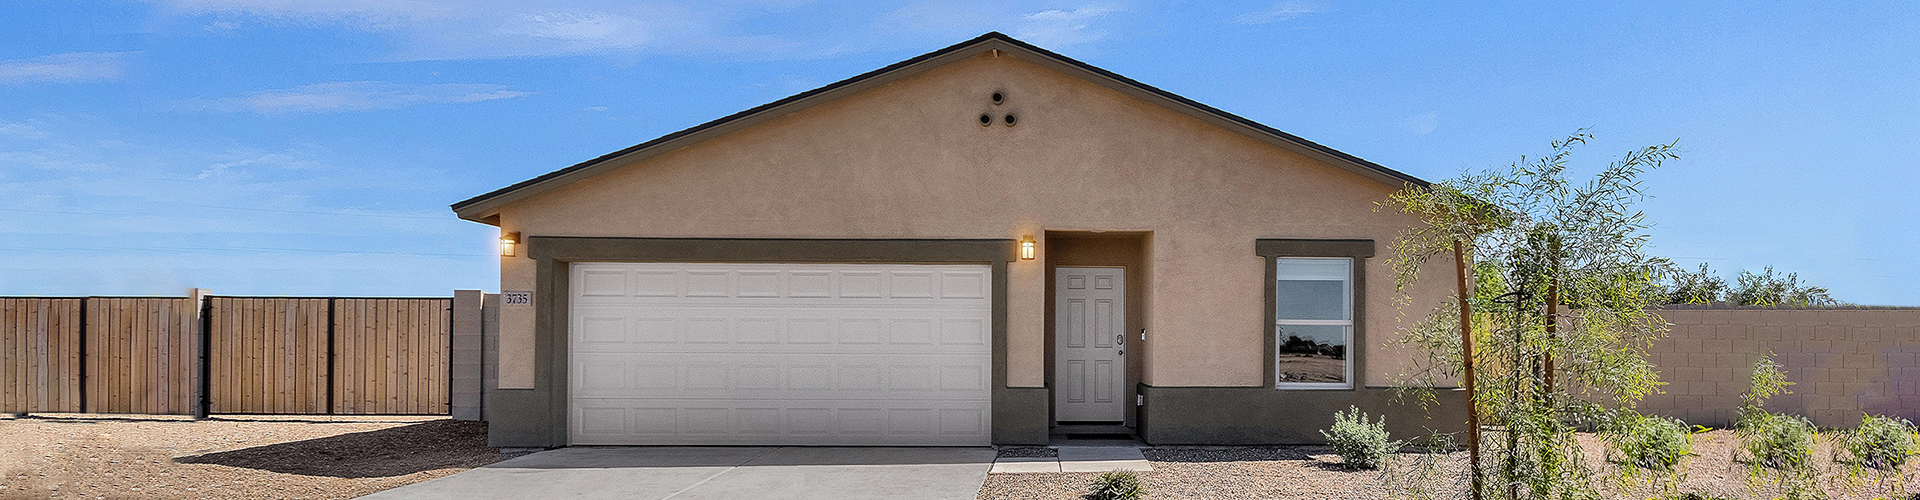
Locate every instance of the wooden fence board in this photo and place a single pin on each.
(136, 352)
(390, 356)
(259, 344)
(39, 355)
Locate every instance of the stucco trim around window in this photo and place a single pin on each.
(1359, 250)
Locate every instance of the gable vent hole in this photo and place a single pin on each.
(999, 98)
(986, 119)
(1010, 120)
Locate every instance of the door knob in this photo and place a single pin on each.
(1120, 339)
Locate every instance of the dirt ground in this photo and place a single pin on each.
(1315, 472)
(230, 457)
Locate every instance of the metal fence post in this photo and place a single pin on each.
(205, 406)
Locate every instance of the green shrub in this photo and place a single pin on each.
(1362, 444)
(1120, 484)
(1657, 443)
(1778, 441)
(1778, 447)
(1881, 443)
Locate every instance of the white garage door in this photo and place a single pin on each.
(803, 354)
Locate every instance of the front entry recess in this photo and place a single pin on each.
(1090, 344)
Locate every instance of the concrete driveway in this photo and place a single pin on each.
(689, 473)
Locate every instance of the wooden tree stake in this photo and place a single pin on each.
(1466, 360)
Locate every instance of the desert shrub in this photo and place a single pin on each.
(1120, 484)
(1362, 444)
(1881, 443)
(1777, 447)
(1877, 449)
(1656, 443)
(1778, 441)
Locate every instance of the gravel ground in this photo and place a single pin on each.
(1713, 471)
(1314, 472)
(230, 457)
(1028, 452)
(1211, 472)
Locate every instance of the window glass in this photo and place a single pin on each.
(1313, 301)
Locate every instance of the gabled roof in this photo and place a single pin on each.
(482, 208)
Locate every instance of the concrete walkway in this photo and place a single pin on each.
(1078, 459)
(692, 473)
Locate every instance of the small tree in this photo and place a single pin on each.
(1562, 289)
(1768, 289)
(1764, 288)
(1694, 287)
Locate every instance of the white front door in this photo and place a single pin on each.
(779, 354)
(1090, 323)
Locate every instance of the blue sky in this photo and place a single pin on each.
(311, 147)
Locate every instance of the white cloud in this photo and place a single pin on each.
(68, 67)
(483, 29)
(1283, 11)
(339, 97)
(1423, 123)
(280, 161)
(1062, 28)
(21, 130)
(751, 29)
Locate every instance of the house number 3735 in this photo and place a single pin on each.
(516, 298)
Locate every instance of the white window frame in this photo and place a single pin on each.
(1351, 354)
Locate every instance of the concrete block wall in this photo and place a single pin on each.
(1843, 362)
(468, 361)
(490, 347)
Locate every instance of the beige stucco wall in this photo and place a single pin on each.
(909, 160)
(1842, 361)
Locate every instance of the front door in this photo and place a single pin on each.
(1090, 367)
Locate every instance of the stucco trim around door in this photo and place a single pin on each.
(1019, 414)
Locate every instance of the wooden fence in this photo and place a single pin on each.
(142, 355)
(393, 355)
(267, 355)
(40, 355)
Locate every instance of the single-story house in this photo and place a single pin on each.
(980, 245)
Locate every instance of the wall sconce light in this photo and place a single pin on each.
(1026, 248)
(508, 242)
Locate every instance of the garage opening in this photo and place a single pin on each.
(779, 354)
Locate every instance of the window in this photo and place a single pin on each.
(1313, 322)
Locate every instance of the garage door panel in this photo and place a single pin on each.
(786, 281)
(606, 329)
(777, 375)
(780, 354)
(778, 422)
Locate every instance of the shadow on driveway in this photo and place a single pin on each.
(396, 451)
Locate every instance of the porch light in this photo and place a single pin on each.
(1026, 247)
(507, 242)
